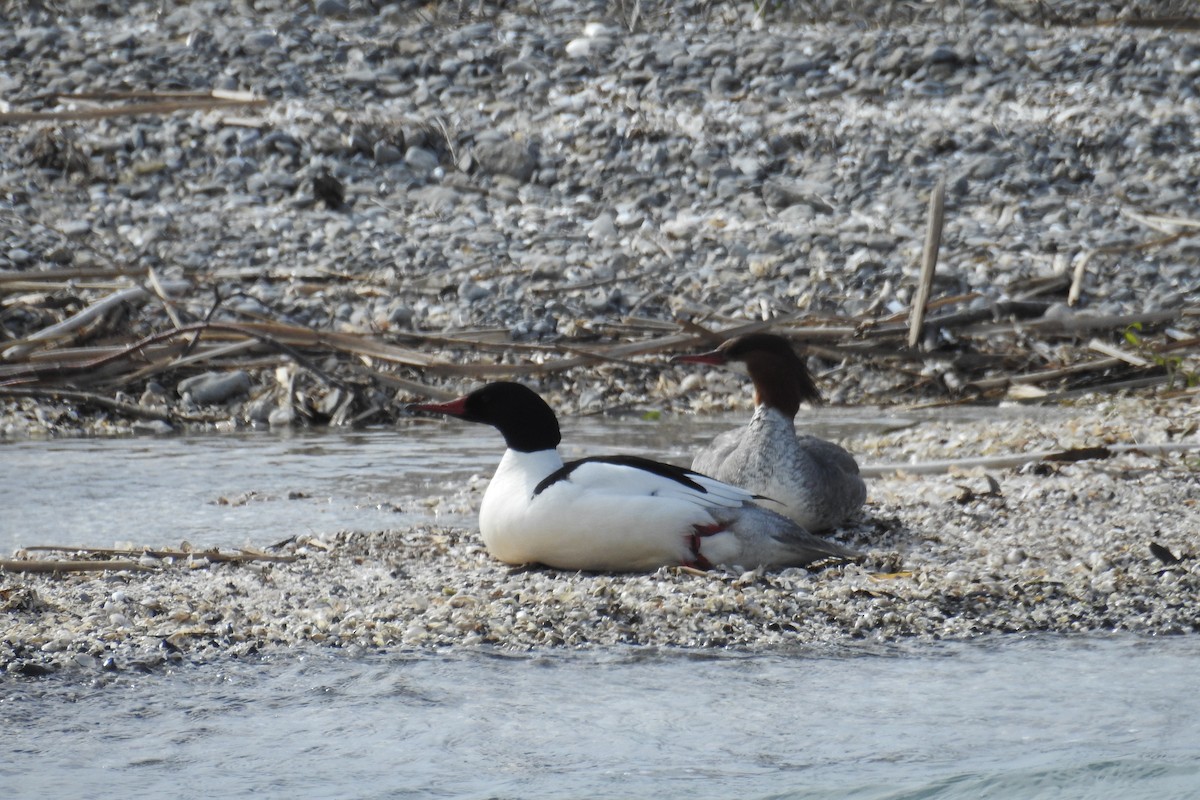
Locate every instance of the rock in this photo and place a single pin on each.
(259, 42)
(76, 228)
(333, 8)
(603, 228)
(213, 388)
(282, 417)
(385, 153)
(421, 160)
(506, 156)
(156, 427)
(19, 256)
(780, 194)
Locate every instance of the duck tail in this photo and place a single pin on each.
(771, 539)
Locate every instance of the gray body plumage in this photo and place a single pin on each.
(769, 538)
(812, 481)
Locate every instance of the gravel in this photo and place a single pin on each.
(1049, 548)
(545, 171)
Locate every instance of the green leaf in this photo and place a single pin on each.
(1131, 334)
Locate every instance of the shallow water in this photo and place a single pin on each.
(261, 488)
(1055, 717)
(1052, 718)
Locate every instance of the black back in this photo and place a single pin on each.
(678, 474)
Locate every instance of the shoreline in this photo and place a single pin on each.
(1060, 548)
(222, 219)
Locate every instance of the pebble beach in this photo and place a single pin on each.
(529, 174)
(1048, 547)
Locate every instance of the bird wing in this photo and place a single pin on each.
(637, 476)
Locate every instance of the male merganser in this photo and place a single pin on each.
(614, 513)
(814, 482)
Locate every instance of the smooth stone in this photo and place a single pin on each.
(362, 78)
(75, 228)
(603, 228)
(156, 427)
(20, 256)
(215, 387)
(333, 8)
(260, 410)
(579, 48)
(506, 156)
(59, 255)
(401, 316)
(473, 292)
(779, 194)
(385, 153)
(421, 159)
(86, 661)
(259, 42)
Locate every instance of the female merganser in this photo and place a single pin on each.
(815, 482)
(614, 513)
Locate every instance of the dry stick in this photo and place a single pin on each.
(1112, 386)
(210, 356)
(1159, 223)
(211, 555)
(1022, 309)
(697, 329)
(162, 297)
(463, 339)
(1045, 375)
(300, 358)
(74, 273)
(128, 409)
(1077, 277)
(190, 94)
(97, 309)
(76, 363)
(212, 311)
(412, 387)
(933, 240)
(595, 356)
(903, 316)
(12, 287)
(37, 372)
(1115, 352)
(71, 356)
(1020, 459)
(643, 324)
(247, 330)
(1075, 324)
(16, 565)
(124, 111)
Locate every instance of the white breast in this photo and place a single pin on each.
(603, 517)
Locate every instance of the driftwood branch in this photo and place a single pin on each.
(1021, 459)
(133, 294)
(933, 240)
(116, 559)
(240, 556)
(1028, 347)
(55, 565)
(155, 104)
(100, 401)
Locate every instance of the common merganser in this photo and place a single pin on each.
(814, 482)
(614, 513)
